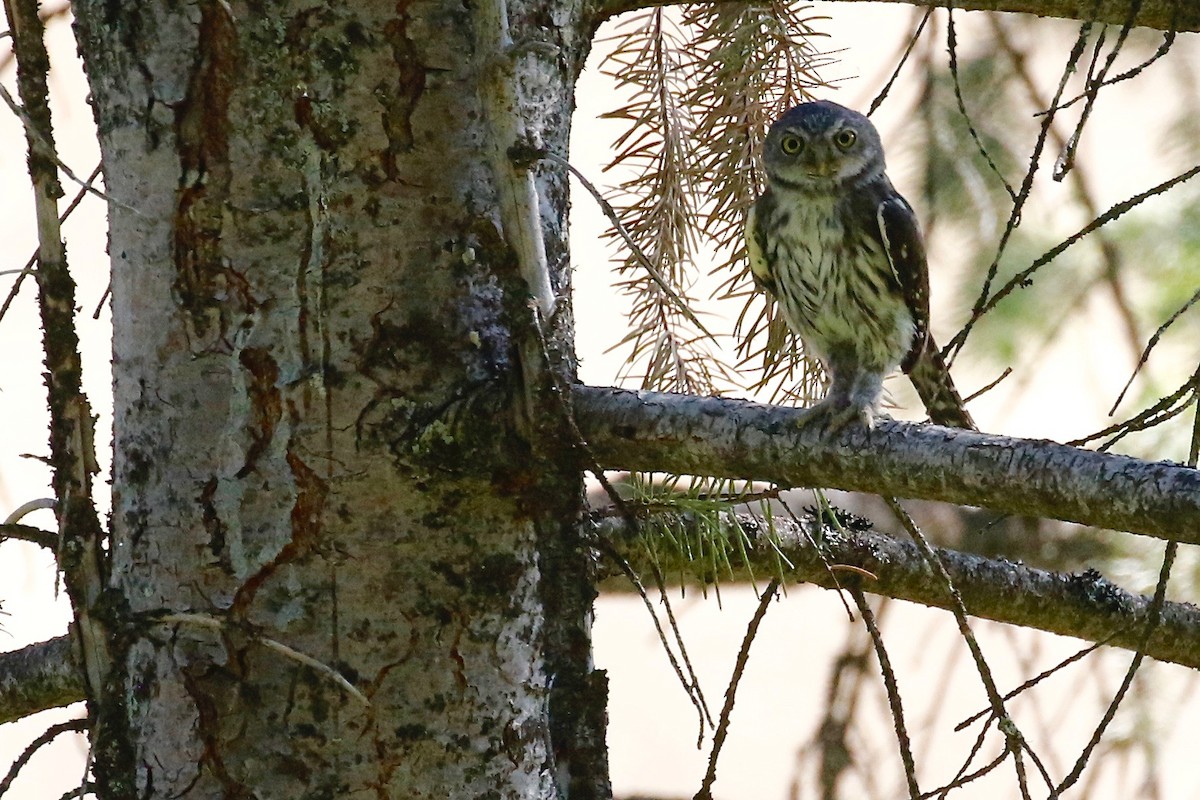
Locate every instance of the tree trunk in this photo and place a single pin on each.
(325, 459)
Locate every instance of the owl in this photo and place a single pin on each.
(841, 252)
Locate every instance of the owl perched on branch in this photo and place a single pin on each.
(840, 250)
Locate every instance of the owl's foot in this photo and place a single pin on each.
(837, 414)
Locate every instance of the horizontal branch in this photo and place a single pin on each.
(38, 677)
(1084, 605)
(686, 435)
(1163, 15)
(27, 533)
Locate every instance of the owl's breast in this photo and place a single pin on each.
(833, 283)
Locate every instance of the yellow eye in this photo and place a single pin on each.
(845, 138)
(790, 145)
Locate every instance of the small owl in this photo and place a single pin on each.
(840, 250)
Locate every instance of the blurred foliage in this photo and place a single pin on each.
(978, 123)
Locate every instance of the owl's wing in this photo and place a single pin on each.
(760, 268)
(901, 239)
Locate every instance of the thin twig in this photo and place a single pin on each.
(824, 506)
(1022, 278)
(1150, 345)
(86, 185)
(690, 688)
(1160, 411)
(1109, 253)
(1163, 49)
(638, 254)
(103, 298)
(1153, 617)
(1013, 737)
(29, 265)
(661, 583)
(739, 669)
(1066, 159)
(212, 623)
(893, 692)
(1034, 681)
(912, 42)
(47, 736)
(962, 777)
(79, 791)
(952, 48)
(953, 347)
(695, 694)
(988, 387)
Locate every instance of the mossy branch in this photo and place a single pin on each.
(38, 677)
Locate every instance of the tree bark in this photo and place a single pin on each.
(322, 437)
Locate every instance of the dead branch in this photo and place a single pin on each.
(38, 677)
(82, 557)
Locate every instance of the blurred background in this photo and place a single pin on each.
(811, 718)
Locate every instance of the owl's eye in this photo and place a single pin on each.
(791, 145)
(845, 138)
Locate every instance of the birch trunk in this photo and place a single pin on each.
(322, 423)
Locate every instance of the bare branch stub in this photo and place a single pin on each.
(38, 677)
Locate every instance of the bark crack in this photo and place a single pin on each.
(306, 526)
(400, 99)
(208, 728)
(209, 292)
(266, 404)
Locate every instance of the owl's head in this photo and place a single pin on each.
(821, 146)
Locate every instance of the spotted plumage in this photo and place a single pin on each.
(840, 250)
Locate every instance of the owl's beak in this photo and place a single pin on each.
(821, 169)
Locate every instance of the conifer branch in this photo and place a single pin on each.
(1084, 605)
(679, 434)
(1163, 15)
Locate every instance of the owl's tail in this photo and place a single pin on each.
(933, 383)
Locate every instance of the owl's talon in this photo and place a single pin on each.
(835, 416)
